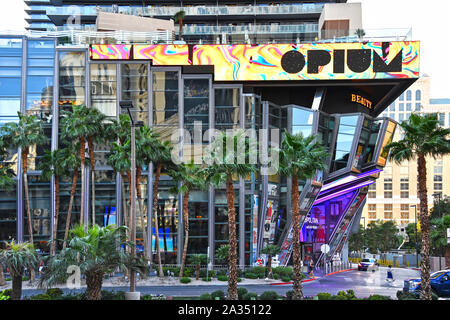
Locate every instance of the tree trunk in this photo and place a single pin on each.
(232, 261)
(82, 157)
(181, 29)
(2, 277)
(55, 223)
(94, 283)
(27, 200)
(125, 215)
(69, 212)
(155, 213)
(186, 231)
(92, 159)
(269, 267)
(141, 209)
(425, 293)
(296, 253)
(16, 293)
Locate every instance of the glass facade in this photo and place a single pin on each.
(170, 98)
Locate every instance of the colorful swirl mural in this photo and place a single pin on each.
(308, 61)
(163, 55)
(110, 51)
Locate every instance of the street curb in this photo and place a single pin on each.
(308, 280)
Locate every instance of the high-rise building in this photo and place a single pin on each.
(394, 196)
(221, 21)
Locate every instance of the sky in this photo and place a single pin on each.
(429, 21)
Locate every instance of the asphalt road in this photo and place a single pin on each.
(363, 283)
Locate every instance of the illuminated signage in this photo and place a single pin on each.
(308, 61)
(361, 100)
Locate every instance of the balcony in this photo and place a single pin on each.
(249, 29)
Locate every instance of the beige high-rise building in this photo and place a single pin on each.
(394, 194)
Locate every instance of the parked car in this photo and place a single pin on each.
(439, 282)
(368, 264)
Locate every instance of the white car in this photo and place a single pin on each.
(368, 264)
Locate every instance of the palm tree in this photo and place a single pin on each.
(271, 250)
(222, 253)
(197, 260)
(17, 257)
(71, 161)
(146, 140)
(75, 126)
(179, 17)
(96, 120)
(51, 165)
(422, 137)
(161, 156)
(24, 134)
(360, 33)
(192, 178)
(220, 170)
(300, 158)
(96, 253)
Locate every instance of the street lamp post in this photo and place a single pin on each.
(364, 238)
(128, 105)
(437, 194)
(415, 231)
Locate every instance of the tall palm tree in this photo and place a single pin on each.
(161, 156)
(300, 158)
(71, 161)
(75, 126)
(271, 250)
(25, 133)
(96, 253)
(422, 137)
(179, 17)
(51, 165)
(192, 178)
(17, 257)
(221, 168)
(97, 122)
(146, 140)
(198, 260)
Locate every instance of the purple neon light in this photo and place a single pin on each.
(348, 179)
(368, 173)
(333, 195)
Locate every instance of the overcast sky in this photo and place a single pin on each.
(429, 20)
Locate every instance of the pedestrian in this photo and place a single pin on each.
(311, 268)
(390, 276)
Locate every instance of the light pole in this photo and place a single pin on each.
(415, 231)
(439, 211)
(128, 105)
(364, 238)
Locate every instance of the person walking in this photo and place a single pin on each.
(311, 268)
(390, 276)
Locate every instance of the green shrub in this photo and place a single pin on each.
(283, 271)
(239, 279)
(250, 275)
(260, 271)
(338, 297)
(250, 296)
(269, 295)
(222, 278)
(185, 280)
(188, 272)
(146, 297)
(276, 276)
(241, 292)
(378, 297)
(324, 296)
(218, 294)
(221, 272)
(206, 279)
(286, 279)
(405, 295)
(289, 294)
(113, 295)
(54, 292)
(3, 296)
(205, 296)
(41, 296)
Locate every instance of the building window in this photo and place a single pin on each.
(372, 215)
(392, 106)
(372, 207)
(372, 195)
(401, 117)
(404, 186)
(388, 194)
(437, 178)
(418, 95)
(402, 97)
(401, 107)
(387, 170)
(418, 105)
(373, 186)
(408, 95)
(438, 170)
(404, 207)
(388, 186)
(441, 117)
(408, 106)
(404, 194)
(388, 215)
(438, 186)
(404, 216)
